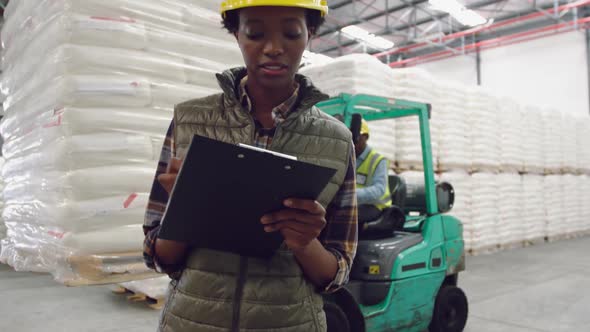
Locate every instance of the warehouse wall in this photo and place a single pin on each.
(550, 72)
(460, 68)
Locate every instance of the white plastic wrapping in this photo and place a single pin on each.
(354, 74)
(2, 226)
(572, 218)
(534, 207)
(485, 132)
(451, 120)
(417, 85)
(569, 154)
(155, 288)
(484, 205)
(554, 195)
(89, 87)
(533, 150)
(511, 136)
(510, 229)
(382, 138)
(552, 140)
(462, 184)
(582, 144)
(583, 206)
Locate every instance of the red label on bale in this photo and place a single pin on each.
(129, 200)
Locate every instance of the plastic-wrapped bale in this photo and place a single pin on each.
(413, 84)
(582, 146)
(462, 209)
(511, 136)
(571, 218)
(2, 226)
(569, 144)
(551, 140)
(382, 138)
(450, 120)
(484, 209)
(510, 227)
(167, 27)
(533, 152)
(154, 289)
(534, 215)
(353, 74)
(582, 223)
(583, 203)
(483, 117)
(90, 86)
(556, 219)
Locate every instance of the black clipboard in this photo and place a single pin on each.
(222, 190)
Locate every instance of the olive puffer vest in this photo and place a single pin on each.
(220, 291)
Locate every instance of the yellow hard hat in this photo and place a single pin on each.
(364, 127)
(321, 5)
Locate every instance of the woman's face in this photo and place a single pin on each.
(272, 40)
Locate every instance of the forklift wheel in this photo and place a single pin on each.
(336, 318)
(450, 310)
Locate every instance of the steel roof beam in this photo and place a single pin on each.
(408, 25)
(372, 17)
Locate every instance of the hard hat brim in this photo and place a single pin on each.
(238, 4)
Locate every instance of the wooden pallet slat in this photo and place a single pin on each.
(137, 297)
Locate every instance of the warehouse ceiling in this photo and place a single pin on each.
(419, 32)
(408, 23)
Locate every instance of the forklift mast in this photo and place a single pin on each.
(372, 108)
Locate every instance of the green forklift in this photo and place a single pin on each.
(405, 273)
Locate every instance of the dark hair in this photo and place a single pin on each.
(313, 18)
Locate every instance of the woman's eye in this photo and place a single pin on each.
(254, 36)
(293, 36)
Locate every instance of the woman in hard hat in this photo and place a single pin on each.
(268, 105)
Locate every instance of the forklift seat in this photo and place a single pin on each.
(398, 190)
(393, 218)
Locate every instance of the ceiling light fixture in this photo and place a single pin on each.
(458, 11)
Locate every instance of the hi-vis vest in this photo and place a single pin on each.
(365, 173)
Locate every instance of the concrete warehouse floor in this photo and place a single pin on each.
(540, 288)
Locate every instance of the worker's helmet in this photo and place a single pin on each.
(321, 5)
(364, 127)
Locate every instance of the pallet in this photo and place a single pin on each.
(107, 269)
(512, 245)
(403, 167)
(534, 241)
(533, 170)
(550, 171)
(577, 235)
(569, 170)
(557, 237)
(153, 303)
(441, 168)
(487, 250)
(511, 169)
(477, 168)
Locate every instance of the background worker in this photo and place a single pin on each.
(372, 183)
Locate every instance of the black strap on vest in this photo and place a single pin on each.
(239, 292)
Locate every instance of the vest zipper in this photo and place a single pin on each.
(274, 138)
(253, 131)
(239, 292)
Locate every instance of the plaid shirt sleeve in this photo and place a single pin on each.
(340, 235)
(155, 210)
